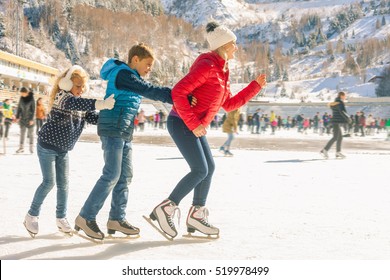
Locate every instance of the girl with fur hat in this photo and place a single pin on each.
(67, 117)
(208, 81)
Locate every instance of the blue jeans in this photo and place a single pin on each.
(55, 169)
(197, 153)
(228, 142)
(117, 175)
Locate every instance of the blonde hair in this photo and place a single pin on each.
(80, 74)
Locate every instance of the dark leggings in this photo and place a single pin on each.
(337, 136)
(197, 153)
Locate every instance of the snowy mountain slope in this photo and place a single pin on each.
(364, 28)
(199, 12)
(240, 13)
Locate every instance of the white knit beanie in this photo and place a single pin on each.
(218, 35)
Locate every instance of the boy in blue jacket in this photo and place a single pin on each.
(115, 128)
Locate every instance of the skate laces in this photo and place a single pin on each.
(126, 224)
(63, 222)
(171, 210)
(202, 213)
(93, 225)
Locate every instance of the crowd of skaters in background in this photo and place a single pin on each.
(256, 123)
(27, 113)
(262, 123)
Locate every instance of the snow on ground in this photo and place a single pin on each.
(269, 205)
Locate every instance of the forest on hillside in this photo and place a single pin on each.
(84, 33)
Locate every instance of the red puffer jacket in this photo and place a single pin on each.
(208, 82)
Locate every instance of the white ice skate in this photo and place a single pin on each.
(31, 224)
(340, 155)
(197, 220)
(164, 214)
(324, 153)
(64, 226)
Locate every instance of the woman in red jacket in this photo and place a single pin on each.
(208, 81)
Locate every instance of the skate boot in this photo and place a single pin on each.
(339, 155)
(228, 153)
(222, 149)
(90, 228)
(164, 214)
(20, 150)
(31, 224)
(324, 153)
(197, 219)
(63, 225)
(122, 226)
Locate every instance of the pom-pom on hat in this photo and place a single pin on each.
(218, 35)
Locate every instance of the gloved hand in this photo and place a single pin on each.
(105, 104)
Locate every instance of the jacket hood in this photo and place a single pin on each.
(111, 65)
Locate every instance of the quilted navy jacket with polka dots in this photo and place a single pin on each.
(66, 120)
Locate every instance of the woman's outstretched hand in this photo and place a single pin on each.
(261, 80)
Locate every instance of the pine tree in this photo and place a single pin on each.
(86, 48)
(383, 21)
(321, 38)
(56, 33)
(383, 88)
(276, 72)
(285, 75)
(2, 26)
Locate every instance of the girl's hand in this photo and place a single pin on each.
(261, 80)
(199, 131)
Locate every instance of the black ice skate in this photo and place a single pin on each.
(197, 220)
(90, 228)
(131, 232)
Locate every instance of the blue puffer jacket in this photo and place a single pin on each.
(127, 86)
(118, 122)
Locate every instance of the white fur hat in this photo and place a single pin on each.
(218, 35)
(66, 83)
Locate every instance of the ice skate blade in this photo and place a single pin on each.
(124, 238)
(69, 233)
(96, 241)
(32, 234)
(208, 237)
(149, 220)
